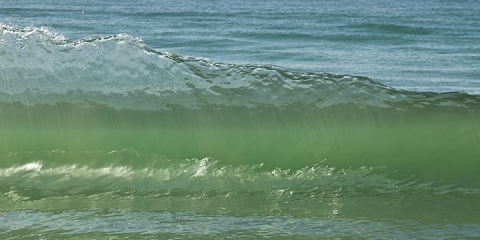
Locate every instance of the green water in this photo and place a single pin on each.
(438, 141)
(246, 171)
(212, 120)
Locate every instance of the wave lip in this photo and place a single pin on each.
(120, 71)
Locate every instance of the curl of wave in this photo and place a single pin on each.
(120, 71)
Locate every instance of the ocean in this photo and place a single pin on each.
(298, 119)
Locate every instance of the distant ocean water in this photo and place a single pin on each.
(220, 119)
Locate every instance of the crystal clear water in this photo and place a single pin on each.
(220, 119)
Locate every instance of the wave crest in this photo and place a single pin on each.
(120, 71)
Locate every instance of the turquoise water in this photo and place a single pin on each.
(298, 119)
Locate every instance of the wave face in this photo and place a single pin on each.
(111, 93)
(107, 122)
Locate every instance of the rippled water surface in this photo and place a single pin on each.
(273, 119)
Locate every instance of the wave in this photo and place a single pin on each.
(120, 71)
(393, 28)
(206, 184)
(110, 93)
